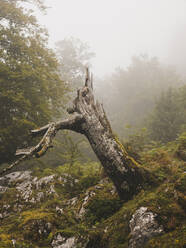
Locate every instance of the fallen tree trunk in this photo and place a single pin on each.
(88, 117)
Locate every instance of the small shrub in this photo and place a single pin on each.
(88, 181)
(99, 209)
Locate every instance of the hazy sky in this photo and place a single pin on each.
(118, 29)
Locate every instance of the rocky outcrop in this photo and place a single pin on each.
(55, 211)
(25, 184)
(26, 192)
(61, 242)
(143, 226)
(73, 242)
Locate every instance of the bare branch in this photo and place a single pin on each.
(37, 151)
(45, 143)
(72, 123)
(40, 131)
(25, 151)
(69, 124)
(13, 164)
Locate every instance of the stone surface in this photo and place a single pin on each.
(44, 181)
(88, 195)
(61, 242)
(15, 176)
(25, 183)
(143, 226)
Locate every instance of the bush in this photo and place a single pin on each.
(99, 209)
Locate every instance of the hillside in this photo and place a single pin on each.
(78, 206)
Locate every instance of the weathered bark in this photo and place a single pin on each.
(89, 118)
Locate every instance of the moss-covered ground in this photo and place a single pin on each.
(106, 220)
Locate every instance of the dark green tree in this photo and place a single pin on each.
(169, 115)
(132, 91)
(31, 87)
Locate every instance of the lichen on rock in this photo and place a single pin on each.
(61, 242)
(143, 226)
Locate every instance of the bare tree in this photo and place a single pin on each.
(88, 117)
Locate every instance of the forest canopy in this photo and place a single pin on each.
(31, 86)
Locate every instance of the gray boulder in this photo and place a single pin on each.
(143, 226)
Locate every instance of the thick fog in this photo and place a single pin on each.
(116, 30)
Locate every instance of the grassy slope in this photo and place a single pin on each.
(107, 218)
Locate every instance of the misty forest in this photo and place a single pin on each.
(90, 157)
